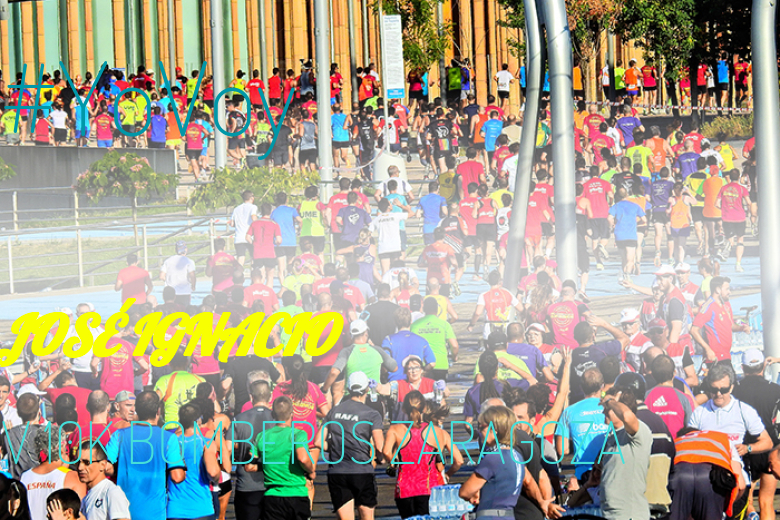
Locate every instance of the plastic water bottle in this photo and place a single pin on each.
(372, 389)
(452, 498)
(433, 502)
(438, 390)
(394, 391)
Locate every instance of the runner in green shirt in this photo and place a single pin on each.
(509, 366)
(439, 334)
(286, 493)
(177, 388)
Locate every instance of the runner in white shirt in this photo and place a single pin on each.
(242, 217)
(10, 417)
(387, 225)
(105, 500)
(178, 272)
(391, 276)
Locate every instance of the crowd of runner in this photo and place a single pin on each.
(633, 409)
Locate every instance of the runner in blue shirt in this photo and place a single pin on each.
(287, 217)
(627, 124)
(191, 498)
(404, 344)
(145, 457)
(625, 215)
(491, 130)
(686, 162)
(157, 129)
(340, 136)
(432, 207)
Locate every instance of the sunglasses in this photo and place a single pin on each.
(87, 462)
(629, 324)
(413, 369)
(720, 391)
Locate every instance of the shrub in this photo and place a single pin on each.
(6, 170)
(227, 186)
(123, 175)
(734, 127)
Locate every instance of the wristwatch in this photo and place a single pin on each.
(750, 448)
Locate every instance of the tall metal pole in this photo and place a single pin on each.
(766, 128)
(352, 51)
(534, 70)
(263, 42)
(131, 57)
(384, 76)
(559, 52)
(325, 141)
(218, 70)
(172, 43)
(364, 6)
(273, 32)
(443, 83)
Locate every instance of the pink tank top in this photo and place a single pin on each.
(414, 479)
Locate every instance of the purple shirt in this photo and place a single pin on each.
(532, 356)
(626, 125)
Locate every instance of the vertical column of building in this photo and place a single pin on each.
(178, 17)
(288, 8)
(253, 36)
(75, 66)
(454, 49)
(466, 33)
(162, 41)
(40, 40)
(89, 34)
(236, 54)
(490, 38)
(373, 38)
(119, 32)
(28, 31)
(5, 54)
(206, 14)
(480, 54)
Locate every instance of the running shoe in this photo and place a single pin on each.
(603, 251)
(739, 268)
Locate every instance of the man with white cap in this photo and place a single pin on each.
(361, 356)
(351, 480)
(691, 291)
(178, 272)
(764, 396)
(714, 325)
(629, 322)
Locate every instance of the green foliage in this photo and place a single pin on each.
(425, 40)
(227, 186)
(663, 29)
(6, 170)
(123, 175)
(733, 127)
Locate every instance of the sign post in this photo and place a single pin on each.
(394, 79)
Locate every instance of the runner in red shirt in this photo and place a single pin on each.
(118, 373)
(598, 141)
(220, 267)
(564, 315)
(133, 281)
(497, 304)
(254, 86)
(466, 211)
(716, 320)
(264, 234)
(694, 136)
(439, 258)
(470, 171)
(194, 145)
(538, 212)
(275, 87)
(259, 291)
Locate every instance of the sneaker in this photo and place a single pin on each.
(755, 230)
(455, 289)
(672, 262)
(700, 250)
(600, 266)
(627, 278)
(657, 260)
(603, 251)
(739, 268)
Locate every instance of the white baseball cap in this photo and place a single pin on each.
(682, 268)
(357, 382)
(29, 388)
(753, 358)
(358, 327)
(665, 270)
(629, 315)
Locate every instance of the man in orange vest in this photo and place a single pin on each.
(703, 459)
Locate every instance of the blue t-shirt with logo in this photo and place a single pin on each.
(583, 423)
(504, 471)
(626, 213)
(395, 209)
(660, 191)
(158, 126)
(531, 355)
(191, 498)
(403, 344)
(354, 219)
(340, 135)
(431, 206)
(285, 217)
(492, 129)
(145, 454)
(723, 71)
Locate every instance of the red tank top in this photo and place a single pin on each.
(403, 298)
(415, 479)
(486, 213)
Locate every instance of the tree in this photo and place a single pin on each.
(227, 186)
(588, 19)
(6, 170)
(425, 40)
